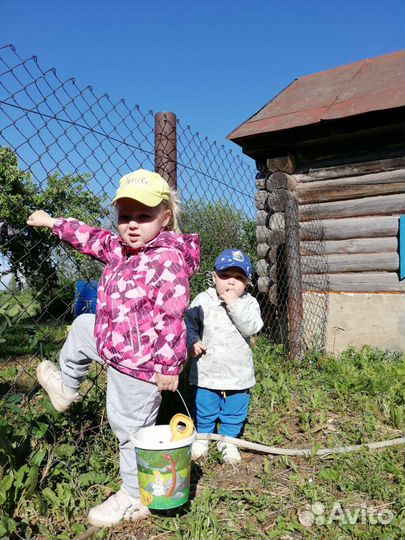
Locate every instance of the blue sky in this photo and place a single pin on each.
(213, 63)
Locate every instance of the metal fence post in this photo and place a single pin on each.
(166, 147)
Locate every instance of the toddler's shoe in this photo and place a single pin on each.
(50, 378)
(199, 449)
(119, 507)
(230, 453)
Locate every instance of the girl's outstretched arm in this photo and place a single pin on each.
(93, 241)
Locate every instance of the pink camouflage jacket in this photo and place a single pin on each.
(141, 299)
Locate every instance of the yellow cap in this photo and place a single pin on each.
(144, 186)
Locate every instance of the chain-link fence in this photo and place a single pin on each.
(291, 266)
(63, 149)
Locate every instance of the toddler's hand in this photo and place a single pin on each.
(167, 382)
(40, 219)
(229, 296)
(197, 348)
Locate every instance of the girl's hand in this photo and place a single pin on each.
(41, 219)
(197, 348)
(167, 382)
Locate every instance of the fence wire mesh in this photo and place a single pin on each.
(291, 265)
(63, 149)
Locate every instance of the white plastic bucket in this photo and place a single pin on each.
(163, 467)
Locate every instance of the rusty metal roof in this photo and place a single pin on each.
(372, 84)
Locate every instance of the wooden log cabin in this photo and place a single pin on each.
(330, 192)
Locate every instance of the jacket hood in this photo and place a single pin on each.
(187, 244)
(212, 293)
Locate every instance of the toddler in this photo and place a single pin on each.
(138, 330)
(220, 322)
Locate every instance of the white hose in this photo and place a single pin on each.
(297, 451)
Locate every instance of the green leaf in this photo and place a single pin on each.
(5, 485)
(32, 479)
(7, 526)
(51, 496)
(40, 429)
(77, 528)
(91, 478)
(14, 311)
(316, 446)
(47, 405)
(329, 474)
(266, 466)
(261, 517)
(38, 457)
(65, 450)
(20, 476)
(15, 398)
(64, 493)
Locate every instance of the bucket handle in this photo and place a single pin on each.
(184, 403)
(132, 432)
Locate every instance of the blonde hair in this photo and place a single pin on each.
(173, 204)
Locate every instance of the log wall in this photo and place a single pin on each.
(348, 224)
(358, 207)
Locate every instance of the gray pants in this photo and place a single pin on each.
(131, 403)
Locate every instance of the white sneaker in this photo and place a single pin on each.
(119, 507)
(199, 449)
(50, 378)
(230, 453)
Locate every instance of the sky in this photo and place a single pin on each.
(213, 63)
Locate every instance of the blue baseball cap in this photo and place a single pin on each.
(230, 258)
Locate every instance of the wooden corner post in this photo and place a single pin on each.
(294, 277)
(283, 199)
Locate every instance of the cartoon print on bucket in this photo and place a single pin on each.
(164, 478)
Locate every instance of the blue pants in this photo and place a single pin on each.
(230, 407)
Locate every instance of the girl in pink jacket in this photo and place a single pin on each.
(138, 330)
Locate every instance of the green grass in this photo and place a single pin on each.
(52, 462)
(55, 467)
(22, 332)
